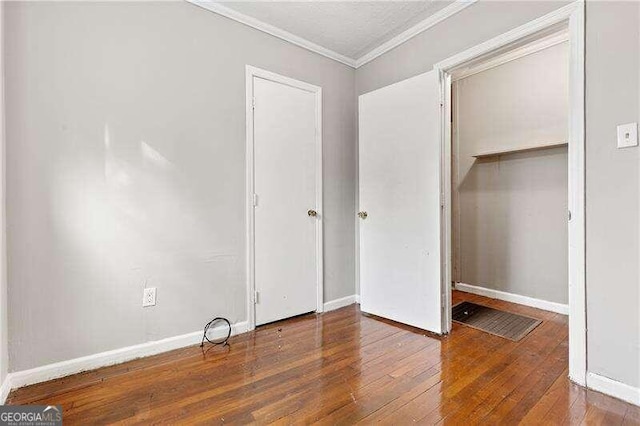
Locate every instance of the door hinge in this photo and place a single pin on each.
(253, 103)
(255, 200)
(256, 298)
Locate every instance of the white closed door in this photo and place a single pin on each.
(400, 242)
(285, 185)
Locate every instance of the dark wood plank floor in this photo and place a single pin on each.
(342, 368)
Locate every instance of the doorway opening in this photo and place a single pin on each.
(509, 178)
(562, 30)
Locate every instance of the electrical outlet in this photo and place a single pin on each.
(149, 297)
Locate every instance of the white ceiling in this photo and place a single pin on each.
(350, 28)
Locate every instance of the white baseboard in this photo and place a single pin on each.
(613, 388)
(103, 359)
(515, 298)
(339, 303)
(5, 388)
(358, 299)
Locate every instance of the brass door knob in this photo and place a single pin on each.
(362, 215)
(312, 213)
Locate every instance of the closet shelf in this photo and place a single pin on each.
(519, 149)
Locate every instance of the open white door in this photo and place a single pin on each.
(400, 208)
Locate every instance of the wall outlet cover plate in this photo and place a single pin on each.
(627, 135)
(149, 297)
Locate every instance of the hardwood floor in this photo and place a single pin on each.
(344, 367)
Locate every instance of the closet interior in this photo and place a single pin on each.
(510, 175)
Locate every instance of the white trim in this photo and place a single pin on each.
(117, 356)
(526, 50)
(573, 15)
(514, 298)
(445, 198)
(212, 6)
(544, 22)
(396, 41)
(249, 240)
(251, 73)
(613, 388)
(577, 229)
(319, 204)
(5, 388)
(332, 305)
(436, 18)
(357, 205)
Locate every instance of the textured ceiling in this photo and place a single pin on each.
(351, 28)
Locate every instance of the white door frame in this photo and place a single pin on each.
(251, 73)
(573, 16)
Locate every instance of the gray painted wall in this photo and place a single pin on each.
(510, 211)
(126, 167)
(613, 191)
(612, 185)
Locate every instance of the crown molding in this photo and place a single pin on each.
(439, 16)
(272, 30)
(424, 25)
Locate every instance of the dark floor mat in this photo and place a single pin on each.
(500, 323)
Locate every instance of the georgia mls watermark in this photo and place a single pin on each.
(30, 415)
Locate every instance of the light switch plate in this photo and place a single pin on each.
(627, 135)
